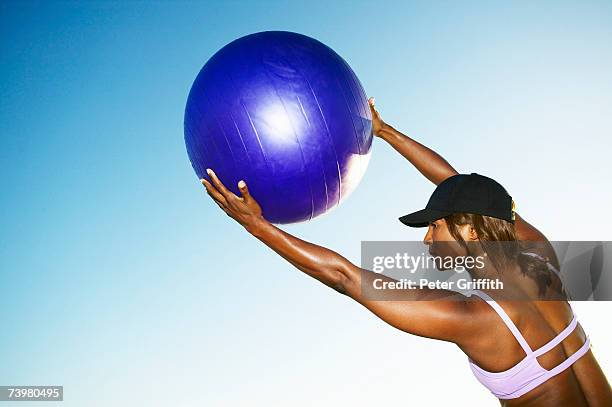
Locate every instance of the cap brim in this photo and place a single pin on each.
(420, 219)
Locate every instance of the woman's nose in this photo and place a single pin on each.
(428, 237)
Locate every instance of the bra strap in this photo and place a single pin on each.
(558, 339)
(506, 318)
(569, 361)
(555, 370)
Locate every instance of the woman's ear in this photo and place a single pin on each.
(472, 234)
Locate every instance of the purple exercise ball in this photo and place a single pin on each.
(286, 114)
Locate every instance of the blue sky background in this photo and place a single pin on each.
(120, 280)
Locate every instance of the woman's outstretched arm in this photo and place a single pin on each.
(439, 314)
(428, 162)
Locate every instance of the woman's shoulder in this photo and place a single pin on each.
(535, 242)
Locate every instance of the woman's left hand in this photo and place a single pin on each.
(245, 209)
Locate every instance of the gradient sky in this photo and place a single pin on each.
(120, 280)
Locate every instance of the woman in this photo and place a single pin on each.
(538, 354)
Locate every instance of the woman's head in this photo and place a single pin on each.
(470, 214)
(465, 208)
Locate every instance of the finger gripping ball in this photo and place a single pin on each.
(286, 114)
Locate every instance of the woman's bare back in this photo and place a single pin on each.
(582, 384)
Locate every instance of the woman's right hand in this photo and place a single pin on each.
(377, 123)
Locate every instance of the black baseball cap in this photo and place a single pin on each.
(473, 193)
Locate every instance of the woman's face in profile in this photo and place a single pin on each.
(442, 243)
